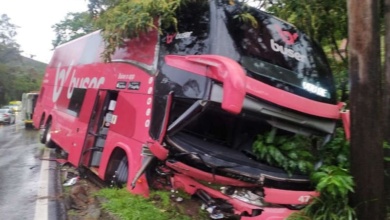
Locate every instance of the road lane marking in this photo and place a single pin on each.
(41, 207)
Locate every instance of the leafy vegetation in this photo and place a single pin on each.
(334, 184)
(128, 19)
(292, 153)
(333, 180)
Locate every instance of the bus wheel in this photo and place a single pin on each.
(42, 131)
(119, 179)
(46, 136)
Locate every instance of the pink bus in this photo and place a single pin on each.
(181, 109)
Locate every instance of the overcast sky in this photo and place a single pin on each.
(35, 18)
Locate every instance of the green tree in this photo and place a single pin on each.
(9, 50)
(7, 31)
(98, 6)
(73, 26)
(17, 74)
(123, 19)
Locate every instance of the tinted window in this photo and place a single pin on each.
(276, 53)
(191, 36)
(76, 101)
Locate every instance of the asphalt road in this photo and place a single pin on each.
(20, 172)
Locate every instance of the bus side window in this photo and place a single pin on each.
(76, 101)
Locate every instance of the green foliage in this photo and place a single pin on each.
(134, 207)
(336, 152)
(246, 17)
(96, 7)
(315, 17)
(122, 19)
(18, 76)
(292, 153)
(333, 182)
(332, 179)
(9, 49)
(73, 26)
(326, 208)
(128, 19)
(7, 32)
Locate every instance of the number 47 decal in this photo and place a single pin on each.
(304, 199)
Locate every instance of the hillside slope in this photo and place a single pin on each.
(19, 75)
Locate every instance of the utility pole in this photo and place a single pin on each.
(367, 166)
(386, 97)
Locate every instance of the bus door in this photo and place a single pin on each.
(98, 128)
(81, 105)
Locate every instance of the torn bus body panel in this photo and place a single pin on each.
(222, 102)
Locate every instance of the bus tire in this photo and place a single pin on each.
(42, 129)
(46, 136)
(120, 176)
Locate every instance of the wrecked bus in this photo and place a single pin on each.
(181, 108)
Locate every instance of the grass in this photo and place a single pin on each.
(72, 213)
(159, 206)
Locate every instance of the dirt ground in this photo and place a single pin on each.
(79, 200)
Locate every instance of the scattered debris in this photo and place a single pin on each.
(78, 199)
(71, 181)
